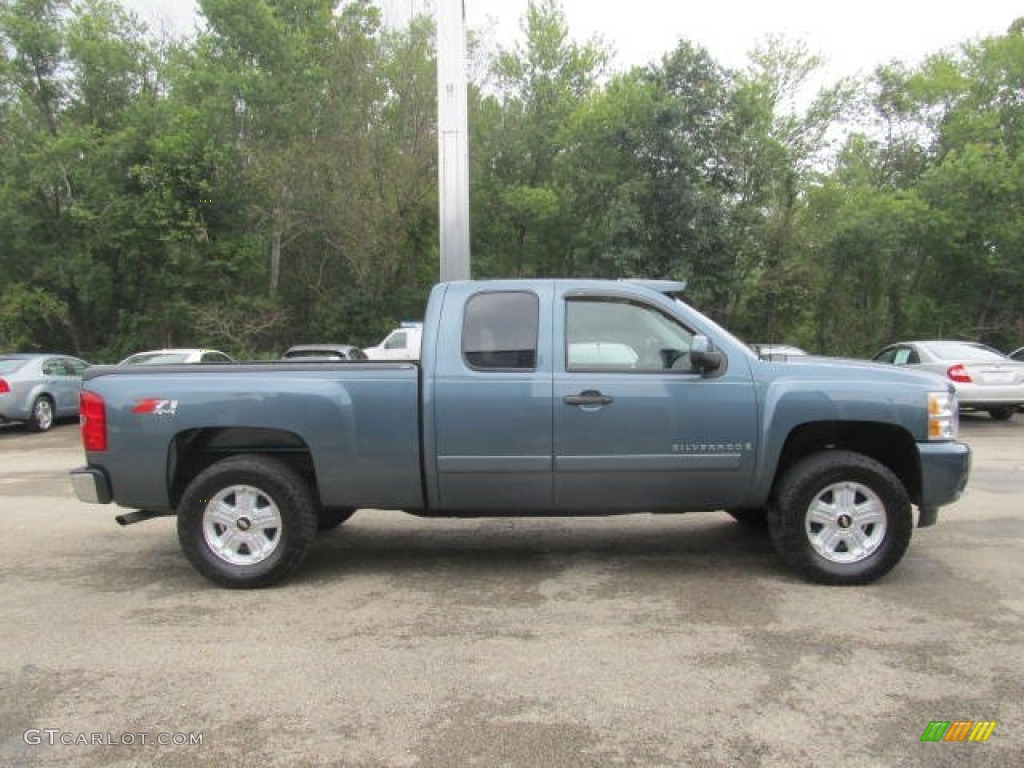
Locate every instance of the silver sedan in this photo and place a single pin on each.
(39, 388)
(985, 380)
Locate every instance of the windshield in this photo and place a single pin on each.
(11, 365)
(717, 328)
(156, 358)
(965, 352)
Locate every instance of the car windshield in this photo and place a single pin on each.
(156, 358)
(964, 352)
(11, 364)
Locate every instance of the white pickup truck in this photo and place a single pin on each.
(403, 343)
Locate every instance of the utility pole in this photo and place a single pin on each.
(453, 139)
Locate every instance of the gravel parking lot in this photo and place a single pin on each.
(632, 641)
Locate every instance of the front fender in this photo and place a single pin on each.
(830, 406)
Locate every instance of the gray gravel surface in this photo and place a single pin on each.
(631, 641)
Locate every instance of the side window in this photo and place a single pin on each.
(53, 368)
(886, 355)
(499, 331)
(396, 341)
(902, 356)
(75, 366)
(620, 335)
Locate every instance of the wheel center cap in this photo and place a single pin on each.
(243, 524)
(844, 521)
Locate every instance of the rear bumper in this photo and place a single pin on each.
(91, 485)
(945, 468)
(983, 396)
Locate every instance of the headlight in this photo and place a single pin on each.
(943, 416)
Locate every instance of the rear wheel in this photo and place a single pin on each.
(41, 417)
(840, 518)
(1001, 414)
(247, 521)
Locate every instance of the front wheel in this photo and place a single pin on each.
(841, 518)
(247, 521)
(1004, 413)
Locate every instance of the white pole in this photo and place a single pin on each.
(452, 140)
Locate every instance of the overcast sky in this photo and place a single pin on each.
(854, 37)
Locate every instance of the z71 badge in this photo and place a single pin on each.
(156, 406)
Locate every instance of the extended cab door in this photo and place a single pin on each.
(636, 427)
(488, 399)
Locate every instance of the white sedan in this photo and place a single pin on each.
(985, 380)
(176, 356)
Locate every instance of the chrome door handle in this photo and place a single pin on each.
(588, 397)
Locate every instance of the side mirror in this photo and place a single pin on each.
(703, 357)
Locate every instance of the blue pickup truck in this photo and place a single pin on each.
(531, 397)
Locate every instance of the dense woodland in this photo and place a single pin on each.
(273, 180)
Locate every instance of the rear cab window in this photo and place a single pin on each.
(500, 331)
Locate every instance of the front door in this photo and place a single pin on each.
(636, 427)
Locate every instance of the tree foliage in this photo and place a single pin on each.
(273, 179)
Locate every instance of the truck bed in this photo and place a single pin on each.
(354, 425)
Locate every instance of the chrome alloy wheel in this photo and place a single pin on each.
(242, 525)
(846, 522)
(42, 414)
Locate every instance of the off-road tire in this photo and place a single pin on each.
(245, 499)
(841, 518)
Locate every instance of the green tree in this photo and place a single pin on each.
(520, 213)
(80, 86)
(776, 153)
(919, 227)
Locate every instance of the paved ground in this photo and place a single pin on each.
(637, 641)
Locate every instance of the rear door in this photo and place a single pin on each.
(63, 384)
(636, 427)
(489, 399)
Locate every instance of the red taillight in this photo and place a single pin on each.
(92, 412)
(4, 387)
(959, 374)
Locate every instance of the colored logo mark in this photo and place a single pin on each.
(958, 730)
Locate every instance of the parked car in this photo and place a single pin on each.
(985, 379)
(38, 389)
(314, 352)
(403, 343)
(770, 351)
(174, 356)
